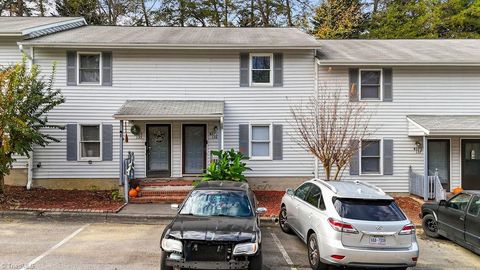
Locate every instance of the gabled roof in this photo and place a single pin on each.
(178, 38)
(438, 52)
(443, 125)
(170, 109)
(30, 27)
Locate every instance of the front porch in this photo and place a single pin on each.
(451, 154)
(168, 139)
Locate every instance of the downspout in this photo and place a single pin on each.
(221, 133)
(425, 168)
(315, 87)
(30, 154)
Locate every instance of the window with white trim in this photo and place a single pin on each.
(261, 69)
(89, 68)
(260, 142)
(371, 156)
(370, 84)
(90, 142)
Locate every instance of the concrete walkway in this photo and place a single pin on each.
(160, 209)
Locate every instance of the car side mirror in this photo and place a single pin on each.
(261, 210)
(442, 203)
(290, 191)
(174, 206)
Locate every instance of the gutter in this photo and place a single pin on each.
(315, 87)
(401, 64)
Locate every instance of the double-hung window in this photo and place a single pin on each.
(261, 72)
(260, 142)
(370, 84)
(90, 143)
(89, 68)
(371, 157)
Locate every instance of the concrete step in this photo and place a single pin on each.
(148, 193)
(158, 199)
(157, 183)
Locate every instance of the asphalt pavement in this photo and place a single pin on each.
(52, 245)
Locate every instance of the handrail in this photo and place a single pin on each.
(332, 188)
(358, 182)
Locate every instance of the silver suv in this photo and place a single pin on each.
(349, 224)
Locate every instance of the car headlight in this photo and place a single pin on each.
(245, 249)
(172, 245)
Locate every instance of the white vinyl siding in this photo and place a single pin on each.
(179, 75)
(417, 90)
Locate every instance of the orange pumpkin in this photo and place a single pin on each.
(138, 189)
(457, 190)
(132, 193)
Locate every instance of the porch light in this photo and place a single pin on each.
(418, 147)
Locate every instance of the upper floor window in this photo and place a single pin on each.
(261, 72)
(90, 143)
(371, 84)
(371, 157)
(89, 68)
(260, 142)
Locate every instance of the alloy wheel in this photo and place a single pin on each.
(283, 218)
(431, 225)
(313, 253)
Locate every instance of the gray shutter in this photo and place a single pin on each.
(355, 162)
(107, 142)
(107, 68)
(71, 142)
(277, 142)
(243, 141)
(353, 84)
(278, 69)
(71, 68)
(388, 157)
(387, 85)
(244, 70)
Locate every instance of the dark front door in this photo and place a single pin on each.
(471, 164)
(158, 151)
(194, 148)
(439, 160)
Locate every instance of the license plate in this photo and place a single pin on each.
(378, 240)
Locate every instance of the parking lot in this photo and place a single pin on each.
(44, 244)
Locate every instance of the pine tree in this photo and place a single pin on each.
(338, 19)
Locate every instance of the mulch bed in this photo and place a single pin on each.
(411, 208)
(18, 198)
(271, 200)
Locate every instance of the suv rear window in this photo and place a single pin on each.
(371, 210)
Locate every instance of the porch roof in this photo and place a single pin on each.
(170, 110)
(443, 125)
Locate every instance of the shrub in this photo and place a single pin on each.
(228, 166)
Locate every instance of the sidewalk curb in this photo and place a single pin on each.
(100, 217)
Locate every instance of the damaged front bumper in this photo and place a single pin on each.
(207, 264)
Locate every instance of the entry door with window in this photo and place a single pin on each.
(194, 148)
(158, 151)
(471, 164)
(439, 159)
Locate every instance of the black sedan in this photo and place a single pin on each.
(217, 227)
(457, 219)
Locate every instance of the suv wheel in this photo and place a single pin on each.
(314, 253)
(256, 262)
(282, 220)
(163, 260)
(430, 226)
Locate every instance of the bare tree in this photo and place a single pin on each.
(331, 128)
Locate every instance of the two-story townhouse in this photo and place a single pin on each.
(425, 95)
(14, 30)
(177, 94)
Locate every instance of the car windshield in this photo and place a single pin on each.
(371, 210)
(217, 203)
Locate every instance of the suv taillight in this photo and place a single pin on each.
(340, 226)
(407, 229)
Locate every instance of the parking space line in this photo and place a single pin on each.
(283, 251)
(65, 240)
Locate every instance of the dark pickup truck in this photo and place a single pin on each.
(457, 219)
